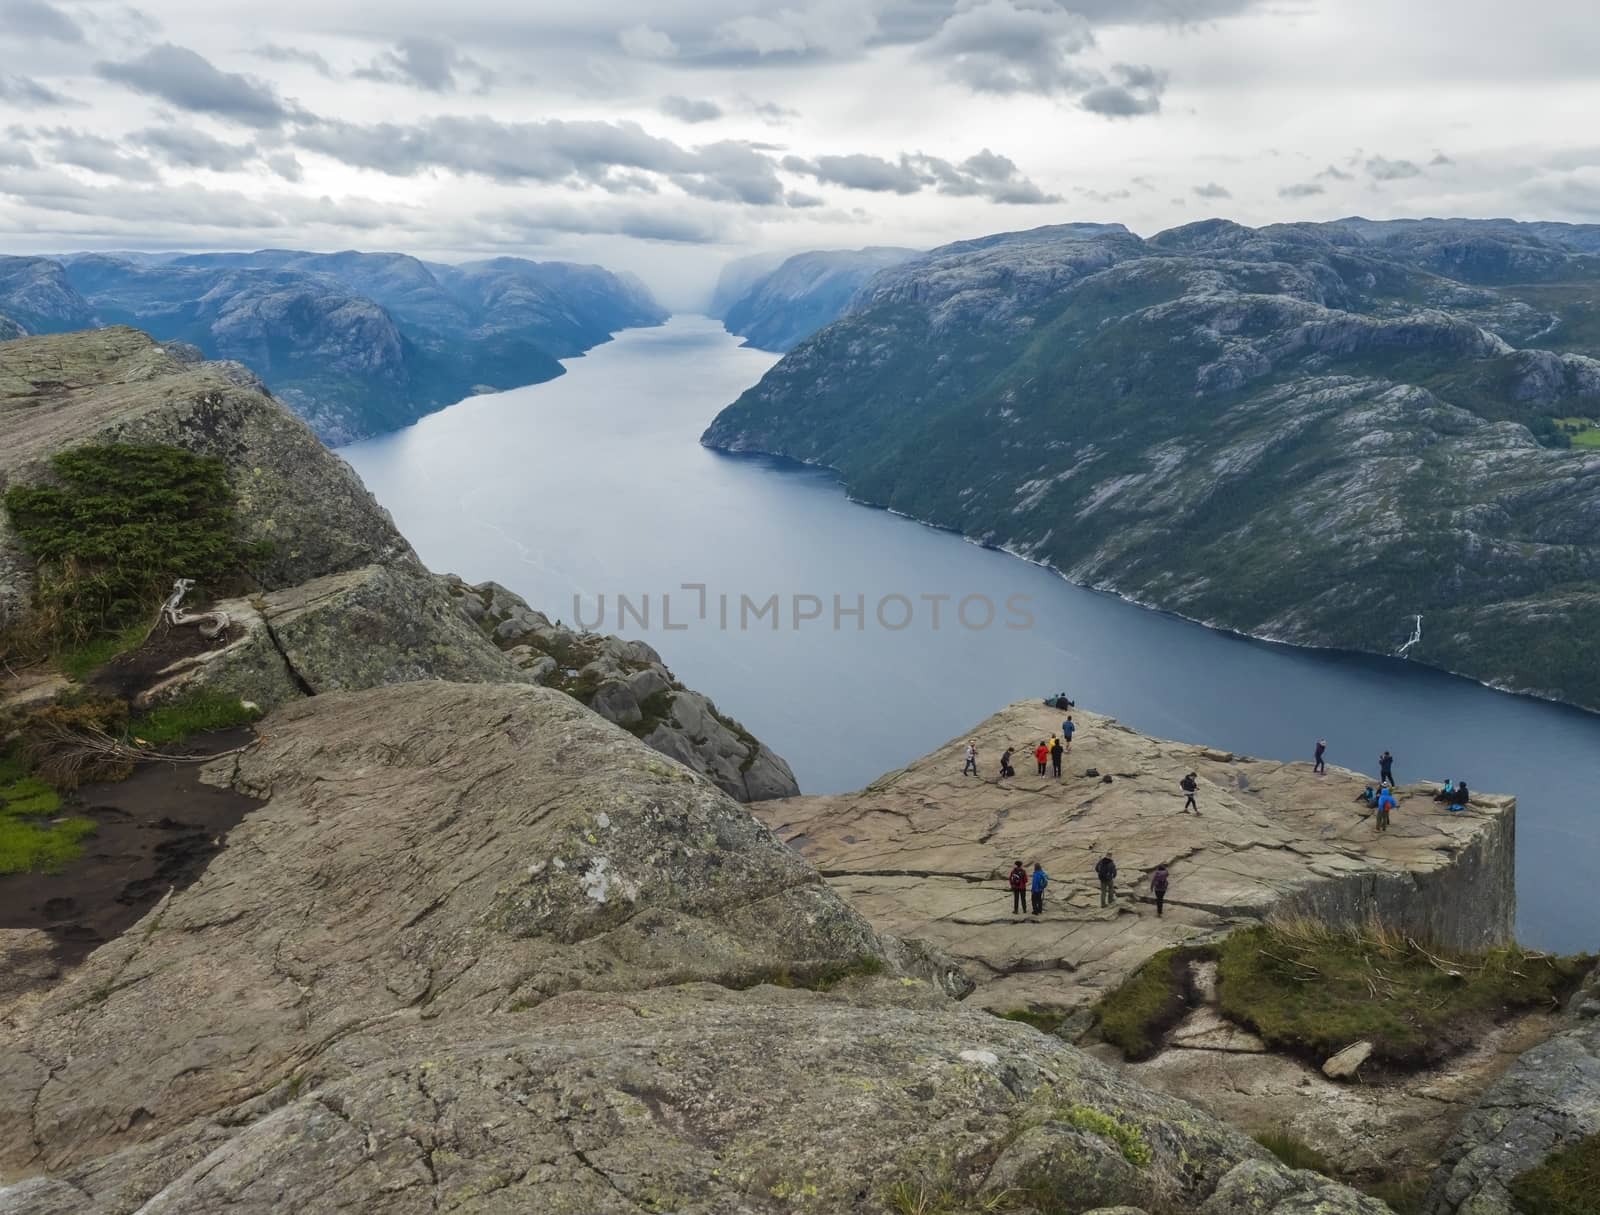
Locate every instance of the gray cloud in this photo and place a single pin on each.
(28, 94)
(30, 19)
(1439, 158)
(1303, 189)
(1334, 173)
(1002, 46)
(1212, 190)
(274, 53)
(184, 79)
(643, 42)
(425, 63)
(986, 174)
(671, 224)
(1381, 169)
(188, 148)
(97, 154)
(286, 166)
(15, 154)
(690, 109)
(1137, 91)
(585, 152)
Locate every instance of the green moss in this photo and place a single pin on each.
(121, 523)
(193, 715)
(32, 839)
(1044, 1022)
(83, 660)
(1565, 1184)
(815, 978)
(1312, 990)
(1295, 1153)
(1154, 997)
(657, 710)
(1127, 1137)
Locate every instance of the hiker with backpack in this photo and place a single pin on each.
(1055, 757)
(1189, 785)
(1041, 879)
(1386, 803)
(1005, 765)
(1017, 879)
(1067, 731)
(1159, 881)
(1106, 870)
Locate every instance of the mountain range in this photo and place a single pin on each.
(356, 343)
(775, 305)
(1314, 433)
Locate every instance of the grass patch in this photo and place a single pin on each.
(83, 660)
(108, 538)
(1044, 1022)
(193, 715)
(1296, 1153)
(1565, 1184)
(817, 978)
(1404, 1196)
(1128, 1139)
(32, 838)
(1312, 990)
(1151, 1001)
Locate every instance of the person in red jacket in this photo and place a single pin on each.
(1017, 879)
(1042, 754)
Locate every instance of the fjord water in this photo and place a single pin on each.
(595, 484)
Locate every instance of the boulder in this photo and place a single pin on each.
(1346, 1065)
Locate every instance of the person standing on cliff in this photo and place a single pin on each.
(1042, 754)
(1386, 769)
(1005, 765)
(1106, 870)
(1067, 731)
(1055, 758)
(1322, 749)
(1017, 879)
(972, 760)
(1041, 879)
(1159, 880)
(1190, 786)
(1386, 803)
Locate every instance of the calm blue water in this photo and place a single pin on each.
(595, 484)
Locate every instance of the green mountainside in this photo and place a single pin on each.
(1313, 433)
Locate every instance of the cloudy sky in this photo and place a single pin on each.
(666, 137)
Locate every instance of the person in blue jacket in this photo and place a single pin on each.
(1041, 879)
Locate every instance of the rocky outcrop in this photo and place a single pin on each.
(10, 329)
(1308, 433)
(924, 852)
(481, 951)
(118, 385)
(1548, 1100)
(627, 683)
(34, 291)
(343, 602)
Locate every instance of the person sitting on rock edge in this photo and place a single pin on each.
(1017, 879)
(1159, 880)
(1041, 879)
(1106, 870)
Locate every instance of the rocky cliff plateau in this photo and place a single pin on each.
(1308, 432)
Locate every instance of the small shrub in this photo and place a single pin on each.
(109, 539)
(1129, 1139)
(1567, 1183)
(1296, 1153)
(1044, 1022)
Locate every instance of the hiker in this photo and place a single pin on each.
(1368, 795)
(1055, 758)
(1386, 803)
(1322, 749)
(1386, 769)
(1017, 879)
(1042, 754)
(1067, 731)
(1106, 870)
(1189, 785)
(1446, 794)
(1005, 765)
(1158, 886)
(972, 760)
(1041, 879)
(1462, 793)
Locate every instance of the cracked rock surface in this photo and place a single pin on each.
(483, 952)
(924, 851)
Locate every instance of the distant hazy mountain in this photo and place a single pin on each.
(738, 277)
(357, 343)
(790, 302)
(1308, 432)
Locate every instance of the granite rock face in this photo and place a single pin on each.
(480, 951)
(1549, 1099)
(924, 852)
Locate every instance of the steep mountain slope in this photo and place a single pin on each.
(1291, 431)
(357, 343)
(804, 293)
(738, 277)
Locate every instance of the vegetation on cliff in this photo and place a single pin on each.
(1565, 1184)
